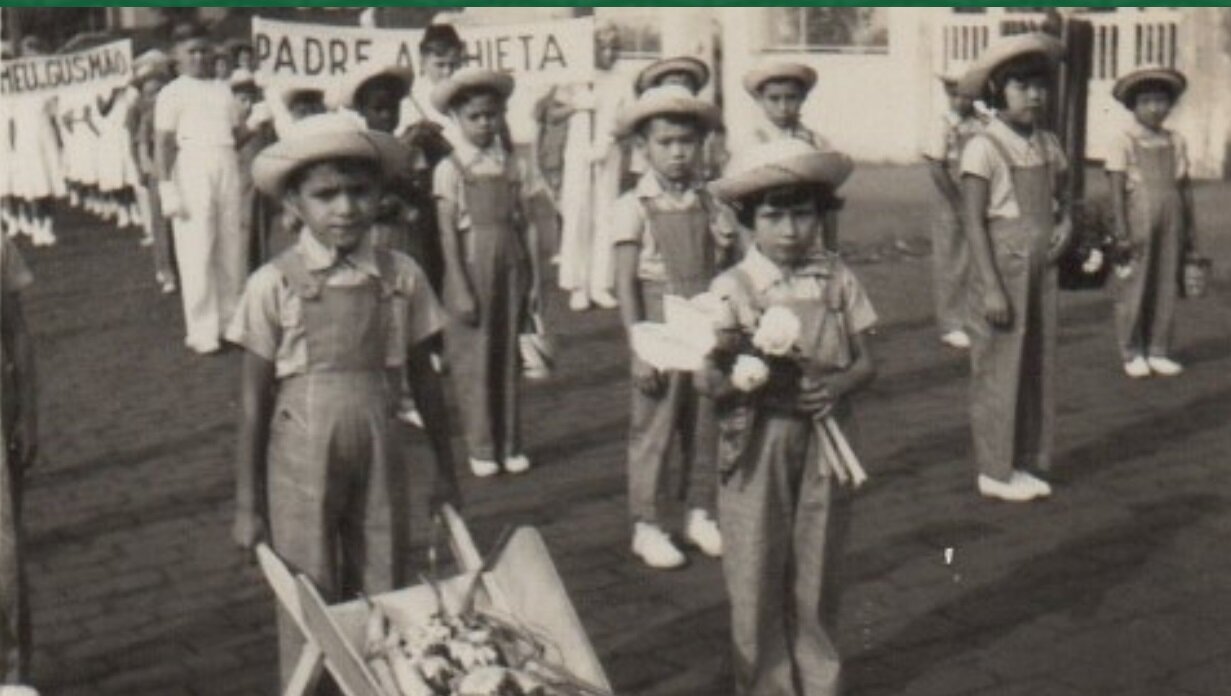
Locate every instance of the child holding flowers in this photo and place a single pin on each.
(791, 349)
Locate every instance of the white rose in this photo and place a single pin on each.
(777, 331)
(749, 373)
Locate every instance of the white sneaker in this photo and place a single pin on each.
(578, 301)
(167, 287)
(654, 547)
(484, 468)
(411, 416)
(1165, 367)
(1042, 487)
(1017, 490)
(956, 339)
(17, 690)
(1137, 368)
(604, 300)
(703, 531)
(121, 217)
(517, 464)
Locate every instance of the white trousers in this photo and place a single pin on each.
(209, 246)
(587, 193)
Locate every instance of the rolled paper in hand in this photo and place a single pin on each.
(842, 457)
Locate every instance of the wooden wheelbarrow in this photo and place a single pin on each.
(519, 586)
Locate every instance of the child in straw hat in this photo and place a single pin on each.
(670, 238)
(326, 327)
(792, 350)
(491, 277)
(1153, 209)
(1016, 222)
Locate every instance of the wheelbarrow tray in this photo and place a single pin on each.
(521, 588)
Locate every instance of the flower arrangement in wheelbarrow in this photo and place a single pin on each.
(782, 359)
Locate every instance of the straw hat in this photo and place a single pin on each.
(324, 137)
(143, 72)
(666, 100)
(242, 77)
(698, 70)
(344, 95)
(468, 79)
(975, 82)
(778, 163)
(1126, 87)
(756, 78)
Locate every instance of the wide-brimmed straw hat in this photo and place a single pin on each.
(758, 76)
(698, 70)
(468, 79)
(344, 94)
(667, 100)
(974, 83)
(778, 163)
(324, 137)
(152, 63)
(1126, 87)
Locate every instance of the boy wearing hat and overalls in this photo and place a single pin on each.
(781, 511)
(194, 122)
(1152, 206)
(491, 276)
(1017, 225)
(693, 75)
(950, 252)
(670, 238)
(326, 327)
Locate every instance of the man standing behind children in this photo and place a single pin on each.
(670, 238)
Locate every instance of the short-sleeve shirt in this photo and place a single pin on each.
(769, 132)
(770, 286)
(1122, 155)
(982, 159)
(269, 319)
(449, 182)
(630, 223)
(199, 112)
(948, 135)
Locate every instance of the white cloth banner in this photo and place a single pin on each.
(97, 69)
(538, 55)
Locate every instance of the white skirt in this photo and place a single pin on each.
(36, 156)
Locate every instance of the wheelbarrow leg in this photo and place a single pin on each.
(307, 671)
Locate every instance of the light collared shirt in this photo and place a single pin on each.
(630, 223)
(201, 113)
(982, 159)
(269, 319)
(948, 135)
(768, 131)
(449, 183)
(770, 285)
(1122, 155)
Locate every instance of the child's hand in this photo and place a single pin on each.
(465, 308)
(996, 309)
(250, 529)
(818, 395)
(1062, 235)
(646, 378)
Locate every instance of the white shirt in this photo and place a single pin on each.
(417, 106)
(981, 158)
(201, 113)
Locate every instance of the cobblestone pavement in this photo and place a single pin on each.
(1118, 585)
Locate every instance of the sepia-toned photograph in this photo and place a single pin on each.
(615, 351)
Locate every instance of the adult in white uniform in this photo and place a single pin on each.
(195, 118)
(592, 165)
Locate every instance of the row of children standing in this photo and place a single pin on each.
(1002, 223)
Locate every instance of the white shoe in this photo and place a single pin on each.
(121, 217)
(1017, 490)
(167, 287)
(484, 468)
(578, 301)
(1137, 368)
(604, 300)
(1042, 487)
(1164, 367)
(654, 547)
(410, 415)
(703, 531)
(17, 690)
(208, 348)
(146, 241)
(517, 464)
(956, 339)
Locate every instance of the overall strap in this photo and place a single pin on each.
(386, 266)
(298, 277)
